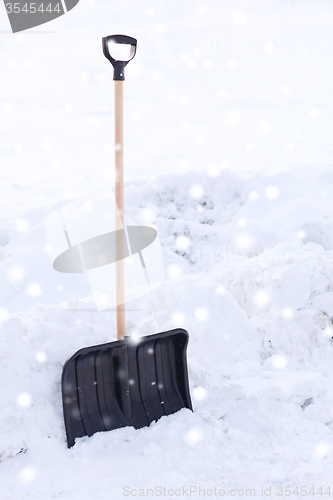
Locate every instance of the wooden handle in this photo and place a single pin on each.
(119, 192)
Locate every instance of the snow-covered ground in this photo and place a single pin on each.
(228, 127)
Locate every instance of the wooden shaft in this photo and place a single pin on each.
(119, 192)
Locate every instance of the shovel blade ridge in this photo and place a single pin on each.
(125, 383)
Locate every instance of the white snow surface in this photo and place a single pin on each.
(228, 115)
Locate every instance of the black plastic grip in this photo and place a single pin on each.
(119, 66)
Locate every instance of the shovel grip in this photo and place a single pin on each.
(118, 65)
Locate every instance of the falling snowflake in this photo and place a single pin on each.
(314, 112)
(328, 331)
(28, 474)
(199, 393)
(148, 215)
(15, 274)
(200, 10)
(288, 312)
(279, 362)
(270, 47)
(40, 357)
(24, 400)
(48, 248)
(261, 298)
(4, 314)
(244, 241)
(69, 107)
(103, 299)
(321, 450)
(182, 242)
(196, 191)
(182, 163)
(213, 170)
(201, 313)
(34, 290)
(135, 338)
(87, 206)
(233, 117)
(240, 18)
(150, 13)
(174, 271)
(272, 192)
(6, 106)
(22, 225)
(193, 436)
(178, 318)
(253, 195)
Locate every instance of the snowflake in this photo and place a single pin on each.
(196, 191)
(22, 225)
(201, 313)
(199, 393)
(272, 192)
(34, 290)
(193, 436)
(24, 400)
(178, 318)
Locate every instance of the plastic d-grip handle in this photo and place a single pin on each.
(119, 66)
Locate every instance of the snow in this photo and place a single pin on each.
(228, 129)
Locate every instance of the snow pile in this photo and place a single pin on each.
(249, 264)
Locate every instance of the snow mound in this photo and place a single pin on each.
(255, 295)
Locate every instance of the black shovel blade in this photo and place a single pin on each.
(130, 382)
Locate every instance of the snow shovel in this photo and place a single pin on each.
(128, 382)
